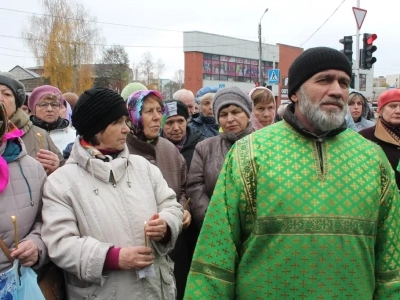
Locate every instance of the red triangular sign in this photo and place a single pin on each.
(359, 14)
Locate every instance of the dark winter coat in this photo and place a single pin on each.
(192, 138)
(206, 125)
(379, 135)
(207, 162)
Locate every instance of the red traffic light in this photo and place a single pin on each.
(371, 38)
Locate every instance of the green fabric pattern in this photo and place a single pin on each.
(287, 225)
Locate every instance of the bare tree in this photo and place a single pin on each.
(135, 71)
(147, 67)
(160, 68)
(179, 78)
(63, 39)
(114, 67)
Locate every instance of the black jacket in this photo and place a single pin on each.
(380, 136)
(192, 138)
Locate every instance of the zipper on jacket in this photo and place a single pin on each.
(112, 179)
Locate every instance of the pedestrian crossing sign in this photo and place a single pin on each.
(273, 76)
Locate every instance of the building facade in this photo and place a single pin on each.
(221, 61)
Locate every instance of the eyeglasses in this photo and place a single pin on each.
(54, 105)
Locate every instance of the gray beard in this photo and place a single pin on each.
(320, 119)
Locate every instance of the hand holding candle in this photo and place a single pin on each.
(156, 228)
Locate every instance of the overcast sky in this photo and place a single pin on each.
(287, 21)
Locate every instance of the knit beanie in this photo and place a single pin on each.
(132, 87)
(175, 108)
(205, 90)
(15, 86)
(392, 95)
(231, 95)
(39, 92)
(95, 110)
(313, 61)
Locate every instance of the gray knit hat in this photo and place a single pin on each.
(15, 86)
(232, 95)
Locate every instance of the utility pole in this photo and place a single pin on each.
(357, 66)
(75, 70)
(260, 68)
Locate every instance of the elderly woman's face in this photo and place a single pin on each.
(8, 99)
(114, 136)
(391, 113)
(48, 108)
(233, 119)
(206, 107)
(151, 117)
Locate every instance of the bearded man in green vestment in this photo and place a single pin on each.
(304, 208)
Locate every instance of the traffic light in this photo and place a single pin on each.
(367, 60)
(347, 42)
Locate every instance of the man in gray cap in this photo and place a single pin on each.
(304, 208)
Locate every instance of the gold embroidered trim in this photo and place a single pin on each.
(315, 225)
(212, 271)
(247, 171)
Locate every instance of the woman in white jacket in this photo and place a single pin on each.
(94, 209)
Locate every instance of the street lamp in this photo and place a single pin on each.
(260, 69)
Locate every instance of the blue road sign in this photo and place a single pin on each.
(221, 85)
(273, 76)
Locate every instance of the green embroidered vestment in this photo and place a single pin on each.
(294, 219)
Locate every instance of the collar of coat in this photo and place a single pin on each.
(382, 134)
(98, 168)
(290, 118)
(21, 120)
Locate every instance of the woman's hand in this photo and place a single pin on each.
(49, 160)
(156, 228)
(187, 219)
(27, 253)
(135, 258)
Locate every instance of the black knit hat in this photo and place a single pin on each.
(15, 86)
(174, 108)
(313, 61)
(96, 109)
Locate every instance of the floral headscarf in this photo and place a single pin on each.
(135, 104)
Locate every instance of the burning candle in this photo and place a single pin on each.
(145, 236)
(40, 138)
(186, 204)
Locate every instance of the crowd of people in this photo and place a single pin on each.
(222, 195)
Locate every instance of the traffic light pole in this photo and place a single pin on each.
(357, 65)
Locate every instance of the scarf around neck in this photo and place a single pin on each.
(60, 123)
(99, 153)
(232, 138)
(21, 120)
(394, 131)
